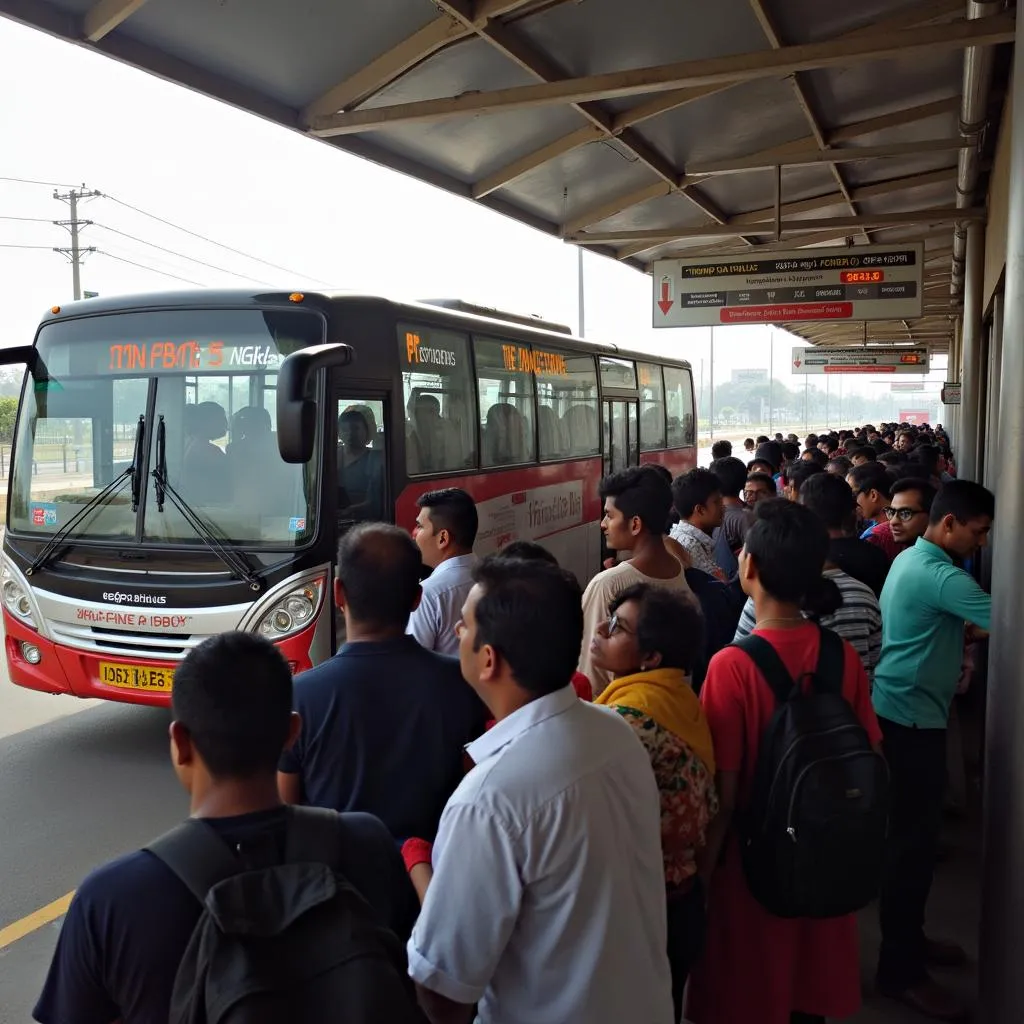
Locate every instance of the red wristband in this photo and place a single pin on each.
(416, 851)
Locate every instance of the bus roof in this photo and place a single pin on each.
(214, 298)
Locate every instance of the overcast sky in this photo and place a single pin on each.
(71, 116)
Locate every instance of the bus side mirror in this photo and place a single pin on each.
(19, 354)
(296, 412)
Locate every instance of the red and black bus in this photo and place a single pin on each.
(183, 464)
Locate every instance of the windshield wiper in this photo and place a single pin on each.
(132, 473)
(232, 559)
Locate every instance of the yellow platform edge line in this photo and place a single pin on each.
(34, 921)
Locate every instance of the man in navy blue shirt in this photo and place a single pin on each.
(384, 721)
(130, 921)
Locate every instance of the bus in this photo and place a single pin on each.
(184, 464)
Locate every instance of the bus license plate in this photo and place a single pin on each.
(136, 677)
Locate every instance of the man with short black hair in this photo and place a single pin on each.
(386, 719)
(547, 901)
(861, 455)
(697, 497)
(796, 474)
(871, 487)
(637, 503)
(925, 603)
(831, 500)
(131, 920)
(906, 516)
(721, 450)
(759, 487)
(445, 533)
(737, 518)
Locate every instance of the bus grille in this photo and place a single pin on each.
(101, 640)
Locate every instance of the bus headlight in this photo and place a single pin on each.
(16, 599)
(293, 612)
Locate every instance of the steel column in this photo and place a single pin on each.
(1002, 919)
(973, 354)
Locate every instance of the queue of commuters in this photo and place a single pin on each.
(573, 806)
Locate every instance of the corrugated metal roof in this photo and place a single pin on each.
(590, 118)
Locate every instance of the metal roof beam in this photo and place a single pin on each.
(848, 154)
(936, 215)
(102, 18)
(518, 48)
(672, 100)
(745, 67)
(859, 195)
(394, 63)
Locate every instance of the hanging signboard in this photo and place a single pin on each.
(915, 417)
(865, 282)
(859, 360)
(912, 385)
(950, 393)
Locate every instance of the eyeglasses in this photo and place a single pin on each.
(904, 515)
(615, 626)
(749, 496)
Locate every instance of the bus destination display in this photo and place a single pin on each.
(176, 356)
(868, 282)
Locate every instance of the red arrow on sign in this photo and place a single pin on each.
(665, 303)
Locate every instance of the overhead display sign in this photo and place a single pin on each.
(860, 360)
(912, 385)
(865, 282)
(950, 393)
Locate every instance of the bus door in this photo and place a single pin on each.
(621, 435)
(361, 459)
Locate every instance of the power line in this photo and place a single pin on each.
(181, 255)
(152, 270)
(211, 241)
(36, 220)
(11, 245)
(32, 181)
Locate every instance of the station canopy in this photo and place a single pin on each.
(642, 130)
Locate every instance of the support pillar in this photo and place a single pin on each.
(973, 354)
(951, 414)
(995, 363)
(1002, 920)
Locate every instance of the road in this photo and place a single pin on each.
(80, 782)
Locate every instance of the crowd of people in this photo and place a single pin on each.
(576, 806)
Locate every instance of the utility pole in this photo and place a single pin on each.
(75, 252)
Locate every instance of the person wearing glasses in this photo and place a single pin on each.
(905, 516)
(759, 486)
(650, 645)
(926, 600)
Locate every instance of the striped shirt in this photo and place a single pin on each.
(858, 619)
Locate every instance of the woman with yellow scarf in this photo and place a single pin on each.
(649, 645)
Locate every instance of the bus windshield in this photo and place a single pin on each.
(205, 381)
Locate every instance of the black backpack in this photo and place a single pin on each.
(813, 832)
(291, 942)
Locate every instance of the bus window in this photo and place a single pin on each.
(652, 407)
(82, 436)
(567, 416)
(505, 381)
(618, 373)
(438, 387)
(361, 461)
(679, 406)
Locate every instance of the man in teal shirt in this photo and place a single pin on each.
(926, 600)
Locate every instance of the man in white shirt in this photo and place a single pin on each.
(697, 496)
(547, 904)
(445, 533)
